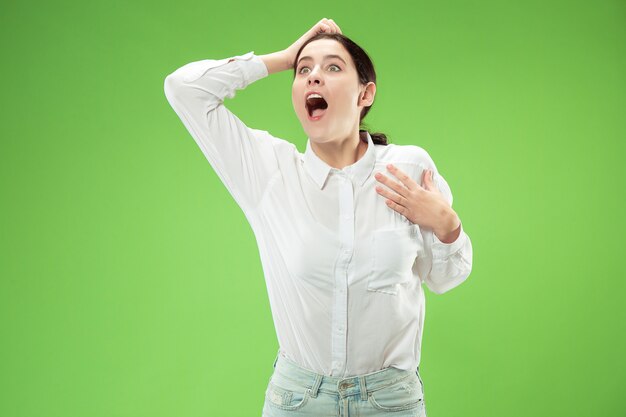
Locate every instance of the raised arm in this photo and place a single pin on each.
(242, 157)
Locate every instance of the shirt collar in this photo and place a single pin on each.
(359, 171)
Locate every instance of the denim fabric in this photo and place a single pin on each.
(296, 391)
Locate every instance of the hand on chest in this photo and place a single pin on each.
(354, 235)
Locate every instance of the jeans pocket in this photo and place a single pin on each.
(394, 252)
(417, 372)
(405, 394)
(286, 398)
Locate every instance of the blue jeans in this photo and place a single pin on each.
(296, 391)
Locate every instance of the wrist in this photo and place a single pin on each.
(449, 227)
(276, 61)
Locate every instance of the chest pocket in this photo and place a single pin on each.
(394, 252)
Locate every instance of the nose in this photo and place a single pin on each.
(314, 77)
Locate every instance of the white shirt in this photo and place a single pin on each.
(343, 271)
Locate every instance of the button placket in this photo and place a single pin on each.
(340, 307)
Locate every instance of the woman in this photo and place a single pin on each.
(345, 233)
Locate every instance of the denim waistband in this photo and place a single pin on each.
(344, 386)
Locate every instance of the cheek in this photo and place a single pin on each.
(296, 95)
(346, 102)
(295, 102)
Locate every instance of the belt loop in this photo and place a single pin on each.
(363, 388)
(316, 385)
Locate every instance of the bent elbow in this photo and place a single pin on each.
(450, 282)
(171, 86)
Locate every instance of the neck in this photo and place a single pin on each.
(340, 153)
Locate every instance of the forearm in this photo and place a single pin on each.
(276, 62)
(451, 263)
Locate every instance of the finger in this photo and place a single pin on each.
(332, 27)
(425, 177)
(428, 179)
(405, 179)
(396, 198)
(319, 27)
(316, 27)
(394, 185)
(335, 25)
(397, 207)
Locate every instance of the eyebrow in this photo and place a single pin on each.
(326, 57)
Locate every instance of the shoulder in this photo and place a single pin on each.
(404, 154)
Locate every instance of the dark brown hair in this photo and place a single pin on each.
(365, 71)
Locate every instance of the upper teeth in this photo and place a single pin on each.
(314, 95)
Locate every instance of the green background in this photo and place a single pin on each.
(131, 283)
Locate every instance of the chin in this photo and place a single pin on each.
(313, 135)
(314, 131)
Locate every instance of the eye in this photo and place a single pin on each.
(331, 65)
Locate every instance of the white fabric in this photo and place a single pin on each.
(343, 270)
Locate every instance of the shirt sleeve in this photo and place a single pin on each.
(243, 158)
(450, 263)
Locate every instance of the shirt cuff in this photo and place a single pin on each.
(442, 250)
(251, 66)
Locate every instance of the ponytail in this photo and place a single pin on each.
(378, 138)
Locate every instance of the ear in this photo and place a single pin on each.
(367, 94)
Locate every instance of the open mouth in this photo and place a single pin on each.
(316, 107)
